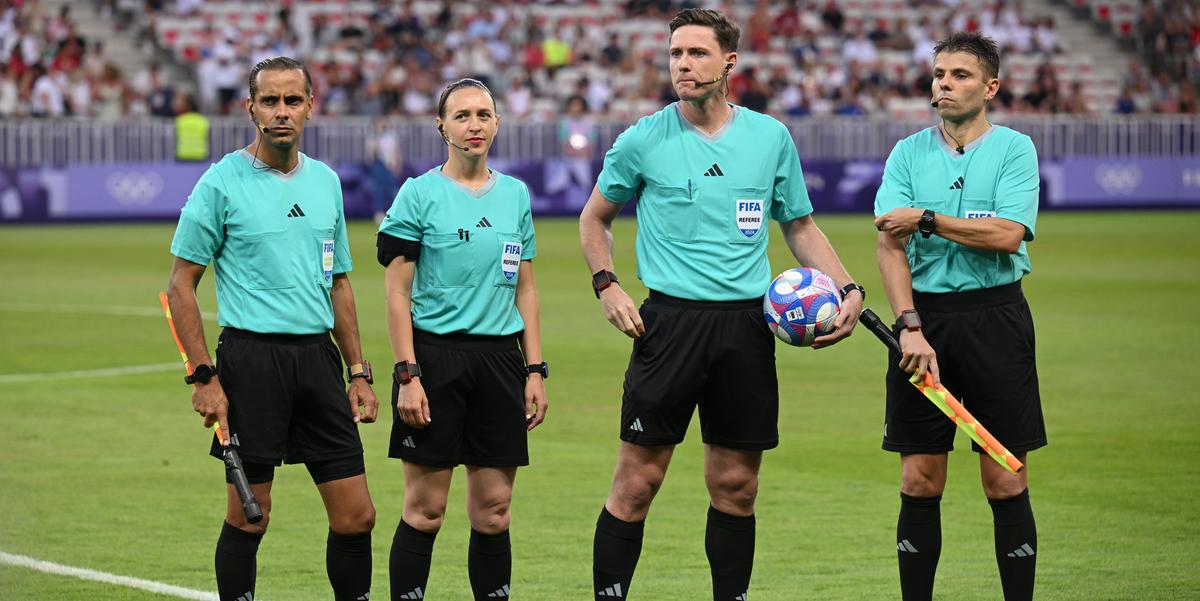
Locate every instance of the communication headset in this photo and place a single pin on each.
(718, 78)
(442, 131)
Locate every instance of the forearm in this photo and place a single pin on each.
(185, 313)
(894, 269)
(399, 309)
(345, 320)
(527, 306)
(595, 232)
(991, 234)
(811, 248)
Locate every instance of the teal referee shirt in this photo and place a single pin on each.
(472, 245)
(275, 241)
(703, 201)
(997, 176)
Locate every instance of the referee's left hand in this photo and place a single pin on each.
(845, 322)
(363, 404)
(535, 401)
(900, 223)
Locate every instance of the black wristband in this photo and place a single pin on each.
(853, 286)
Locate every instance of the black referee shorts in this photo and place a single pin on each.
(287, 399)
(718, 355)
(476, 391)
(985, 350)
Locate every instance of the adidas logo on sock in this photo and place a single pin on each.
(906, 547)
(636, 426)
(714, 171)
(958, 184)
(408, 442)
(1023, 551)
(364, 597)
(742, 597)
(247, 597)
(484, 223)
(295, 212)
(611, 591)
(500, 592)
(416, 593)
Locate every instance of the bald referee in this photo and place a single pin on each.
(707, 175)
(270, 221)
(958, 204)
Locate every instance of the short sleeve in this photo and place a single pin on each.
(528, 240)
(1019, 184)
(621, 176)
(201, 229)
(342, 261)
(790, 199)
(403, 220)
(896, 191)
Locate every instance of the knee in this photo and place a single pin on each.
(238, 520)
(1001, 489)
(631, 497)
(426, 518)
(361, 521)
(733, 493)
(491, 517)
(918, 484)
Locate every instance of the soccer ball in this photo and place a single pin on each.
(801, 304)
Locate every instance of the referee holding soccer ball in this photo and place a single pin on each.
(707, 174)
(458, 245)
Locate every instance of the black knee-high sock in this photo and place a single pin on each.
(615, 552)
(348, 564)
(489, 565)
(412, 550)
(918, 545)
(1016, 545)
(729, 544)
(236, 563)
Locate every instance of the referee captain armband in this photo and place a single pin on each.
(390, 247)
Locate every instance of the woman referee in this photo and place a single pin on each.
(458, 246)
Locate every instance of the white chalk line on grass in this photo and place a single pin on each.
(151, 311)
(50, 567)
(90, 373)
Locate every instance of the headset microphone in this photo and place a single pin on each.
(716, 79)
(935, 102)
(260, 126)
(447, 140)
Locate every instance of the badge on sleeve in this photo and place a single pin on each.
(510, 259)
(979, 214)
(327, 260)
(749, 216)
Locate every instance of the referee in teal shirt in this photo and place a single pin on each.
(270, 221)
(707, 175)
(956, 208)
(458, 245)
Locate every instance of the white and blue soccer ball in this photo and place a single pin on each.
(800, 305)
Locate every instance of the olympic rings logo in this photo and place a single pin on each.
(1119, 178)
(134, 187)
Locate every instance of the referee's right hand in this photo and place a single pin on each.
(413, 405)
(918, 356)
(210, 402)
(621, 311)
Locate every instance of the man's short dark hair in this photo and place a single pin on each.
(727, 32)
(278, 63)
(975, 44)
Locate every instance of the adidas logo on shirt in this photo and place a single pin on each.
(484, 223)
(611, 591)
(636, 426)
(958, 184)
(714, 171)
(906, 547)
(1023, 551)
(295, 212)
(501, 592)
(413, 594)
(408, 442)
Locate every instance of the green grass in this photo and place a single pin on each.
(112, 474)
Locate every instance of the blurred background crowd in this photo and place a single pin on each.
(602, 59)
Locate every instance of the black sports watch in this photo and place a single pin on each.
(927, 224)
(404, 372)
(539, 368)
(603, 279)
(364, 374)
(852, 286)
(909, 320)
(203, 374)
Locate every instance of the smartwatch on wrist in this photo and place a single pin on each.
(203, 374)
(539, 368)
(927, 224)
(364, 373)
(603, 279)
(909, 320)
(406, 371)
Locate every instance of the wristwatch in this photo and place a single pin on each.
(909, 320)
(364, 374)
(852, 286)
(927, 224)
(603, 279)
(539, 368)
(203, 374)
(405, 372)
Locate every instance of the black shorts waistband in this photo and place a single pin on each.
(659, 298)
(290, 339)
(467, 342)
(968, 300)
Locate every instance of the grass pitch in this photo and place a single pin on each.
(110, 473)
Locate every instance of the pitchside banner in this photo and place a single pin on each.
(143, 191)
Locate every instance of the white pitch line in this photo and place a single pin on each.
(90, 373)
(92, 310)
(105, 577)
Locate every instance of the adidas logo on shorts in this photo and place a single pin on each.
(636, 426)
(408, 442)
